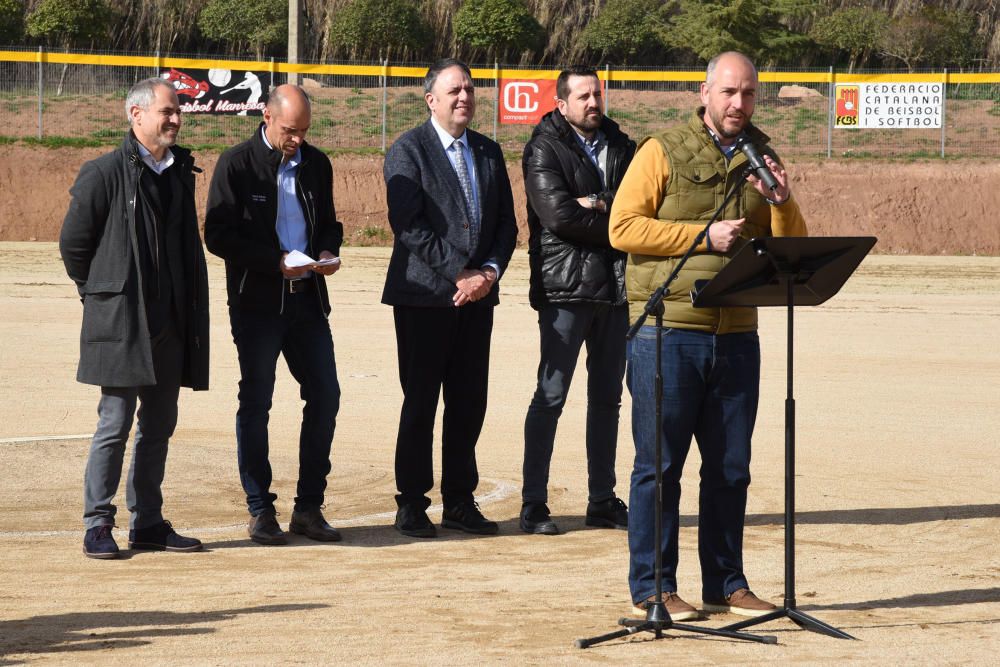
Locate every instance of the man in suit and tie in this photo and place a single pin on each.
(452, 214)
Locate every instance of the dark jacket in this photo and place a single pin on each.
(99, 247)
(569, 253)
(241, 215)
(428, 217)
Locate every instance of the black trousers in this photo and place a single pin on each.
(441, 349)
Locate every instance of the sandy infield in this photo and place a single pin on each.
(898, 468)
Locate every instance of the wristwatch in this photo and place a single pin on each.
(593, 200)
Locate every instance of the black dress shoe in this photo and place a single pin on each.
(98, 543)
(535, 519)
(310, 522)
(264, 529)
(467, 517)
(610, 513)
(412, 521)
(161, 537)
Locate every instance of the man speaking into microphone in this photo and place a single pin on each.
(711, 356)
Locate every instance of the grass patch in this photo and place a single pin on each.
(66, 142)
(371, 235)
(410, 99)
(808, 118)
(106, 133)
(359, 150)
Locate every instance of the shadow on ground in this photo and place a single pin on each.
(888, 516)
(65, 634)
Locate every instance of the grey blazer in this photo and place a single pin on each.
(428, 218)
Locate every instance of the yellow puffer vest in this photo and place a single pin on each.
(698, 181)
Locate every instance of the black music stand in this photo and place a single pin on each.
(786, 271)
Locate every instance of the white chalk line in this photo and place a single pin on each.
(43, 438)
(500, 492)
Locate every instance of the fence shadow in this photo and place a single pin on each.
(939, 599)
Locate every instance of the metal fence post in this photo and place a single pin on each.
(41, 91)
(829, 116)
(607, 88)
(944, 100)
(385, 105)
(496, 96)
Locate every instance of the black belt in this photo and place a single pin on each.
(299, 286)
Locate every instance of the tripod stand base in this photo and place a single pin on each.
(657, 620)
(803, 620)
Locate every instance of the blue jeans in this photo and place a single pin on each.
(157, 417)
(710, 391)
(302, 334)
(564, 329)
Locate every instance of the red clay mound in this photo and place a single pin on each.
(926, 208)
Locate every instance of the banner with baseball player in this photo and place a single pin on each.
(220, 91)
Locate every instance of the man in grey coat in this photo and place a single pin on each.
(452, 214)
(130, 243)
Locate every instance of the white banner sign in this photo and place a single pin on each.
(889, 106)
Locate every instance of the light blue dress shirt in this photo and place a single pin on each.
(291, 222)
(470, 162)
(596, 150)
(158, 166)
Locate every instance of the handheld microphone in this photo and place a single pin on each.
(757, 163)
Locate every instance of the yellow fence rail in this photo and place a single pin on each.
(365, 106)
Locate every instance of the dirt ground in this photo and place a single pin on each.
(918, 208)
(896, 385)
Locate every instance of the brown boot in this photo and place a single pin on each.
(741, 602)
(678, 609)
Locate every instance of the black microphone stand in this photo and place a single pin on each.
(657, 617)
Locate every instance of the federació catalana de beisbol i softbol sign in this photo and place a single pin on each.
(219, 91)
(889, 106)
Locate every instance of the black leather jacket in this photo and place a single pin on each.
(570, 256)
(241, 213)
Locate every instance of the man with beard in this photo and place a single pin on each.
(572, 166)
(271, 196)
(130, 243)
(711, 356)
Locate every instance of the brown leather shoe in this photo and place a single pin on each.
(310, 522)
(264, 529)
(678, 609)
(741, 602)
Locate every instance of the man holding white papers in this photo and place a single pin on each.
(271, 199)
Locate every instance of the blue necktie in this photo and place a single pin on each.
(466, 183)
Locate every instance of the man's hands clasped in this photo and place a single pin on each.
(473, 285)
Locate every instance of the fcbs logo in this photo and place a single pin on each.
(847, 106)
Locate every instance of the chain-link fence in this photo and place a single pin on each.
(364, 107)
